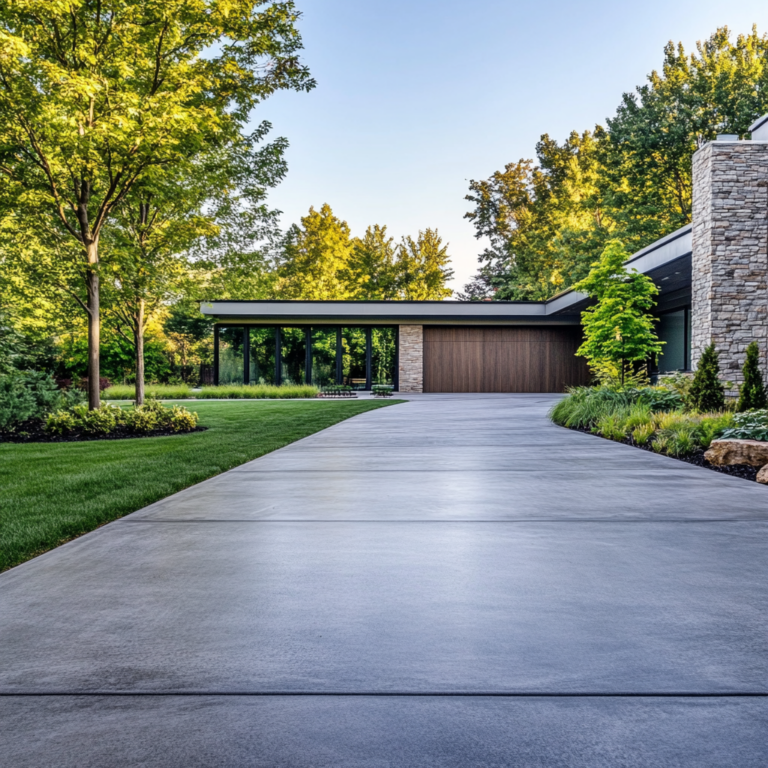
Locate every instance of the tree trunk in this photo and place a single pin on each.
(139, 344)
(94, 326)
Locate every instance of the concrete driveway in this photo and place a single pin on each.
(449, 582)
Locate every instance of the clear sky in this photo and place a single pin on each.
(416, 97)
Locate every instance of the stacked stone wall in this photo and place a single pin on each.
(730, 253)
(411, 357)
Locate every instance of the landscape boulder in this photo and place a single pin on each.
(725, 452)
(762, 475)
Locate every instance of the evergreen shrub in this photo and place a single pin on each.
(707, 392)
(32, 395)
(752, 394)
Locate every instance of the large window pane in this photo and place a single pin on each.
(323, 356)
(353, 357)
(293, 355)
(262, 361)
(671, 329)
(230, 356)
(383, 356)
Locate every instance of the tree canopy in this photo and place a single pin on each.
(97, 96)
(321, 260)
(547, 220)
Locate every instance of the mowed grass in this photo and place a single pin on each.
(53, 492)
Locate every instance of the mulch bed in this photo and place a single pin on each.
(34, 432)
(744, 471)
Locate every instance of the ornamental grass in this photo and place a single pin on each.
(151, 392)
(258, 392)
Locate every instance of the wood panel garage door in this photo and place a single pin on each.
(502, 359)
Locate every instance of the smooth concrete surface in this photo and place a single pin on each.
(453, 581)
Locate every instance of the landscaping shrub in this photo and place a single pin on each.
(637, 415)
(381, 390)
(713, 426)
(652, 416)
(679, 383)
(100, 421)
(611, 426)
(751, 425)
(642, 434)
(661, 399)
(707, 392)
(752, 394)
(108, 419)
(679, 434)
(151, 391)
(32, 395)
(585, 406)
(259, 391)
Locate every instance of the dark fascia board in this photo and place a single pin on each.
(356, 320)
(667, 249)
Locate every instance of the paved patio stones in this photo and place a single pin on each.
(452, 581)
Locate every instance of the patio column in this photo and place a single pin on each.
(411, 358)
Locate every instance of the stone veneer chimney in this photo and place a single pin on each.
(730, 250)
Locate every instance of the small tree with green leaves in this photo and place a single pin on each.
(752, 394)
(707, 392)
(619, 333)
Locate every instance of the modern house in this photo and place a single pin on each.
(712, 276)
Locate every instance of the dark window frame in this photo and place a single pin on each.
(686, 309)
(308, 350)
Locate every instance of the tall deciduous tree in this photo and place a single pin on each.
(722, 87)
(371, 267)
(548, 220)
(316, 258)
(618, 330)
(96, 94)
(422, 268)
(544, 221)
(215, 204)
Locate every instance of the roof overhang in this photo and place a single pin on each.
(667, 261)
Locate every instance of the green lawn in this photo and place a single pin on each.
(50, 493)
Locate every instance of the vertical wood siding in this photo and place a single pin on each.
(502, 359)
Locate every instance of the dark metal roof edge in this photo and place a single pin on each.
(350, 320)
(660, 243)
(385, 303)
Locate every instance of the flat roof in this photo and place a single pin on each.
(658, 260)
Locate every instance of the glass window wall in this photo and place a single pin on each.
(293, 355)
(262, 356)
(383, 355)
(354, 357)
(672, 329)
(231, 356)
(323, 356)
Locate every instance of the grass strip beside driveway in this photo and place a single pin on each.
(52, 492)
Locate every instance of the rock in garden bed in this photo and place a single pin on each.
(698, 458)
(727, 452)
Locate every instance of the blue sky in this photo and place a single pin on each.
(415, 98)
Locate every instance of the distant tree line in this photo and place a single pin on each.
(547, 220)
